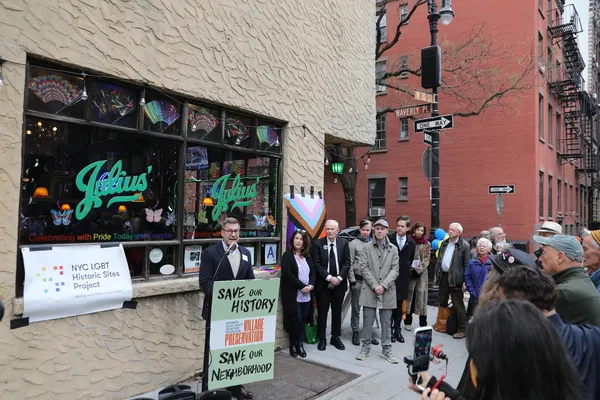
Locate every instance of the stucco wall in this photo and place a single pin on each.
(308, 62)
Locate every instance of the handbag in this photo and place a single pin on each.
(441, 322)
(310, 334)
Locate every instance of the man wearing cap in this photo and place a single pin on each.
(379, 268)
(591, 254)
(548, 229)
(578, 299)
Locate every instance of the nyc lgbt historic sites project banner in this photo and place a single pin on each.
(242, 337)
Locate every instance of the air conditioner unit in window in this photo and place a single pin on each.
(377, 212)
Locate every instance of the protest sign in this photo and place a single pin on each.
(64, 281)
(242, 337)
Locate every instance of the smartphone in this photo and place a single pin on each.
(422, 349)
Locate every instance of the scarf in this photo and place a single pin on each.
(483, 260)
(421, 240)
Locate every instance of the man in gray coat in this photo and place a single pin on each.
(379, 269)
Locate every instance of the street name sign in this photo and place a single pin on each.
(427, 138)
(501, 189)
(441, 122)
(413, 110)
(424, 96)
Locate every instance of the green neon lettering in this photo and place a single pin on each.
(117, 182)
(238, 194)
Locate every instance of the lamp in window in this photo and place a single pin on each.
(337, 168)
(65, 207)
(122, 208)
(41, 193)
(139, 199)
(208, 201)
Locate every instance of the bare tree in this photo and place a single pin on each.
(475, 77)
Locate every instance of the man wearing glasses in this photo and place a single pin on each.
(225, 261)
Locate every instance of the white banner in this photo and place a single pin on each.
(64, 281)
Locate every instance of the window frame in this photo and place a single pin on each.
(403, 136)
(541, 120)
(380, 65)
(550, 213)
(541, 194)
(382, 26)
(380, 133)
(403, 12)
(370, 196)
(402, 188)
(558, 197)
(550, 118)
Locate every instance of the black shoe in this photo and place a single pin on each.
(245, 394)
(393, 335)
(322, 345)
(422, 320)
(293, 350)
(301, 351)
(399, 336)
(337, 343)
(355, 339)
(374, 342)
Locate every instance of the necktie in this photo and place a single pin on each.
(401, 243)
(332, 263)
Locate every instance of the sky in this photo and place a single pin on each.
(583, 7)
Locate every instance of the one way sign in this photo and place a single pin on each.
(501, 189)
(441, 122)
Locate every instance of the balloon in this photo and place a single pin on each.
(439, 233)
(446, 237)
(435, 244)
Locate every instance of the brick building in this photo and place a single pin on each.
(542, 141)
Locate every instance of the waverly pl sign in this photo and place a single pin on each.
(115, 182)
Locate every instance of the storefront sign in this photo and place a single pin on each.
(270, 253)
(238, 194)
(242, 337)
(116, 182)
(64, 281)
(192, 258)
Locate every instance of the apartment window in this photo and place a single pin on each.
(382, 27)
(540, 52)
(550, 118)
(581, 197)
(558, 131)
(541, 5)
(549, 196)
(558, 197)
(541, 189)
(380, 70)
(403, 64)
(572, 192)
(541, 117)
(403, 12)
(404, 128)
(550, 63)
(566, 198)
(577, 201)
(377, 197)
(380, 134)
(403, 189)
(549, 6)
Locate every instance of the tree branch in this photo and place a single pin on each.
(379, 50)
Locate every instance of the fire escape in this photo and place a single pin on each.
(566, 82)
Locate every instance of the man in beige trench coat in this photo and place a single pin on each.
(379, 268)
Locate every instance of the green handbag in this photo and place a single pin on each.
(310, 334)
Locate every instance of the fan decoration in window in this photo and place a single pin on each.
(233, 168)
(267, 134)
(54, 90)
(214, 170)
(236, 129)
(202, 120)
(162, 113)
(114, 105)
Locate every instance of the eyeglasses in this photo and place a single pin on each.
(231, 231)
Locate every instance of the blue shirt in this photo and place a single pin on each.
(583, 346)
(596, 279)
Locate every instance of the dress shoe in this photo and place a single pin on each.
(293, 350)
(337, 343)
(245, 394)
(374, 342)
(355, 339)
(301, 351)
(399, 336)
(393, 339)
(322, 345)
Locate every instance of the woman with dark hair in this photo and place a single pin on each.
(297, 284)
(417, 286)
(515, 354)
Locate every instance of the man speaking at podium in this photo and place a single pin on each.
(225, 261)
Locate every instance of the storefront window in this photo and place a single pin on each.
(55, 93)
(238, 130)
(204, 123)
(161, 113)
(267, 136)
(114, 104)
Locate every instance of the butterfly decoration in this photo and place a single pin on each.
(153, 215)
(201, 217)
(271, 220)
(261, 222)
(188, 219)
(170, 218)
(61, 217)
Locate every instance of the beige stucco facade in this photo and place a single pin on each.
(307, 62)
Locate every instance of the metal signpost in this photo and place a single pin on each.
(499, 190)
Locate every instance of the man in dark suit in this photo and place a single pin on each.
(225, 261)
(406, 252)
(331, 256)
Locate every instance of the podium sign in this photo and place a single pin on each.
(242, 336)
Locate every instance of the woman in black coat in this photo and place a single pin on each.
(297, 284)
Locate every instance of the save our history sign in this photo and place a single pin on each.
(64, 281)
(242, 337)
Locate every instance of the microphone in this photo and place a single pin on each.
(231, 247)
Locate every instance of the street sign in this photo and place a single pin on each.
(441, 122)
(426, 163)
(427, 138)
(424, 96)
(499, 204)
(413, 110)
(502, 189)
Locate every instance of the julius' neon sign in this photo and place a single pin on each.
(238, 194)
(115, 181)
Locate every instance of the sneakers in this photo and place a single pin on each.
(361, 356)
(408, 327)
(459, 335)
(390, 358)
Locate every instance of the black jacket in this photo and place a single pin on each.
(290, 284)
(458, 265)
(406, 255)
(320, 256)
(209, 261)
